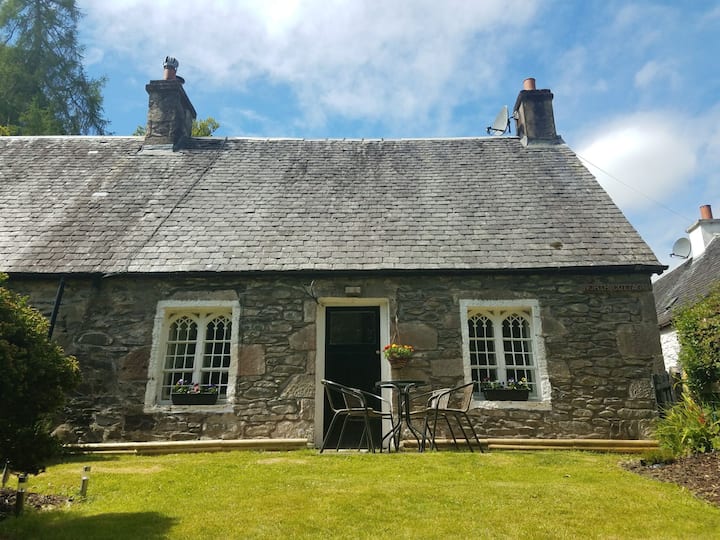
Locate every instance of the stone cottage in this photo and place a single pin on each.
(265, 265)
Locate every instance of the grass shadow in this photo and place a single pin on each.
(61, 526)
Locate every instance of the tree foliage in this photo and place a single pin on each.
(698, 328)
(200, 128)
(36, 375)
(204, 128)
(43, 87)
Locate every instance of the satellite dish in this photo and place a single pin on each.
(501, 123)
(681, 248)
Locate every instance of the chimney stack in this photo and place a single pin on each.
(534, 117)
(703, 231)
(170, 113)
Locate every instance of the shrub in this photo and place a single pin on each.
(689, 427)
(658, 456)
(698, 329)
(36, 375)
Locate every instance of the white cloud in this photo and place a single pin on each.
(642, 25)
(710, 18)
(655, 73)
(378, 60)
(641, 158)
(710, 158)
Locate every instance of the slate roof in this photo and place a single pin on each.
(688, 283)
(105, 204)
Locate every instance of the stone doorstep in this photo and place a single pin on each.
(172, 447)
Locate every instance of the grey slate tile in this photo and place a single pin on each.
(249, 204)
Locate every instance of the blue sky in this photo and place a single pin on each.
(636, 84)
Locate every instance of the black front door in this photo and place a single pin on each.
(352, 358)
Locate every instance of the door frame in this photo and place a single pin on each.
(320, 321)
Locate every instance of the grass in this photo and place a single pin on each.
(306, 495)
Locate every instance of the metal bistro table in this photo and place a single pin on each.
(402, 390)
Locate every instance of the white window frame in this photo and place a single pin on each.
(153, 389)
(541, 398)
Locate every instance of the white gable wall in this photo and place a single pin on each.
(670, 348)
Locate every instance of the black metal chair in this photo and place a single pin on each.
(353, 405)
(449, 403)
(422, 404)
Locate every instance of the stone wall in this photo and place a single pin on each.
(599, 332)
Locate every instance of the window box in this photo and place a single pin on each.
(506, 394)
(193, 399)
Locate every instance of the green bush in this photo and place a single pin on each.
(698, 328)
(689, 427)
(35, 377)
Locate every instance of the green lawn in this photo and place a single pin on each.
(408, 495)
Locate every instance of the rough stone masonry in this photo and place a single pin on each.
(599, 337)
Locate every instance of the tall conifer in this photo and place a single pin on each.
(43, 86)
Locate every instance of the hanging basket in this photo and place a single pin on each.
(398, 355)
(398, 363)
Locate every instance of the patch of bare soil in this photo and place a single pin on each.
(699, 473)
(32, 500)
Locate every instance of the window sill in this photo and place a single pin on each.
(530, 405)
(219, 408)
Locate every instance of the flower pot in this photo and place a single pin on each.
(506, 394)
(194, 399)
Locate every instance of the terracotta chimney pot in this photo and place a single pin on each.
(529, 84)
(706, 212)
(170, 66)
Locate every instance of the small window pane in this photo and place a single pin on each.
(517, 343)
(482, 351)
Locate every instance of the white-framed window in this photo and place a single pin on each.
(502, 342)
(195, 342)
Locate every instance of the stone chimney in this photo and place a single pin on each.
(170, 113)
(534, 118)
(703, 231)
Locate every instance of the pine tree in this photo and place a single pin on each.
(43, 87)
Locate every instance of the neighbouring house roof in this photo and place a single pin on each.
(688, 283)
(108, 205)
